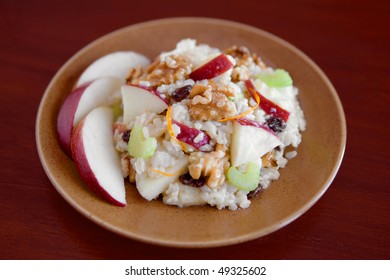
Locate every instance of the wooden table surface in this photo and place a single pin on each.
(349, 40)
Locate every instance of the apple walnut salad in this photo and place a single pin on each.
(196, 126)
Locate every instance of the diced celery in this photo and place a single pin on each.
(248, 180)
(139, 146)
(279, 78)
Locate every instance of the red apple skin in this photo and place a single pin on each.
(153, 91)
(213, 68)
(248, 122)
(188, 134)
(65, 118)
(84, 169)
(267, 105)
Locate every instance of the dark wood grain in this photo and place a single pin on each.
(349, 40)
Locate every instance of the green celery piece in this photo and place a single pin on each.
(139, 146)
(247, 181)
(279, 78)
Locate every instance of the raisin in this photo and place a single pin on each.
(255, 192)
(180, 93)
(275, 124)
(186, 179)
(126, 136)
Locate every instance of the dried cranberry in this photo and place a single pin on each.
(180, 93)
(255, 192)
(126, 135)
(275, 124)
(186, 179)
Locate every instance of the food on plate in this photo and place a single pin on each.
(137, 100)
(96, 158)
(80, 102)
(196, 126)
(116, 64)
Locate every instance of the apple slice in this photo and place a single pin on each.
(79, 103)
(137, 100)
(151, 188)
(190, 135)
(213, 68)
(267, 105)
(116, 64)
(250, 141)
(96, 159)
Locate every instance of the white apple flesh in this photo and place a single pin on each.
(79, 103)
(96, 159)
(212, 69)
(137, 100)
(116, 64)
(151, 188)
(250, 141)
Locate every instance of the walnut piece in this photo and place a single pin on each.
(244, 57)
(166, 71)
(268, 160)
(210, 103)
(134, 74)
(212, 165)
(240, 73)
(127, 168)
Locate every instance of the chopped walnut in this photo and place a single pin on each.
(167, 71)
(127, 168)
(210, 103)
(244, 57)
(225, 89)
(211, 165)
(199, 89)
(268, 160)
(134, 74)
(240, 73)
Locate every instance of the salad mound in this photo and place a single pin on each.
(205, 126)
(196, 126)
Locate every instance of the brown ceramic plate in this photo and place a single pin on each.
(301, 184)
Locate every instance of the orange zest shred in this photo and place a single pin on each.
(238, 116)
(164, 173)
(171, 133)
(257, 98)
